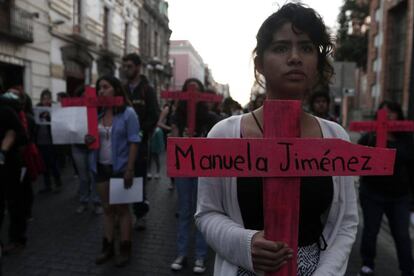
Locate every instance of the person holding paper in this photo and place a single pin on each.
(292, 54)
(47, 149)
(119, 137)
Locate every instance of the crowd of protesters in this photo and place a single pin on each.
(133, 137)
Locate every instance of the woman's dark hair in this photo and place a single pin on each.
(45, 93)
(392, 106)
(304, 20)
(319, 94)
(201, 110)
(189, 81)
(395, 107)
(118, 91)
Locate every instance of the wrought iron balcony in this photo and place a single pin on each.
(19, 27)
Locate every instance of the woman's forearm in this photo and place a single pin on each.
(133, 151)
(8, 140)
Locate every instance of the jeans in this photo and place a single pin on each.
(49, 157)
(187, 200)
(398, 214)
(142, 208)
(87, 185)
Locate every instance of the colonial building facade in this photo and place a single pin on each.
(73, 42)
(390, 54)
(187, 63)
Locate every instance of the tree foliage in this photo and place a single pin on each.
(352, 38)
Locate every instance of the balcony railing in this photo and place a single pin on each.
(20, 27)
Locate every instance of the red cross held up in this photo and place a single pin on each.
(192, 97)
(382, 126)
(91, 101)
(281, 157)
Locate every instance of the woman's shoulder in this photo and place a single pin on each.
(129, 111)
(229, 127)
(334, 129)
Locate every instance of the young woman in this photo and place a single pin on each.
(115, 158)
(292, 55)
(389, 195)
(46, 147)
(187, 186)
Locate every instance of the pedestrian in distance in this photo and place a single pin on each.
(319, 105)
(44, 141)
(187, 186)
(118, 135)
(87, 185)
(389, 195)
(145, 103)
(292, 55)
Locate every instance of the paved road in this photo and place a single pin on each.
(62, 242)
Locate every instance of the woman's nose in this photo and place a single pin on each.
(294, 57)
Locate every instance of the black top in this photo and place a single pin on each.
(145, 103)
(316, 195)
(398, 184)
(9, 120)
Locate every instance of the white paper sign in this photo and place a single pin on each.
(40, 113)
(119, 195)
(69, 125)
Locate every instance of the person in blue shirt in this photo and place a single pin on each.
(119, 137)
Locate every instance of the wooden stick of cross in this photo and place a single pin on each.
(192, 97)
(281, 159)
(92, 102)
(382, 126)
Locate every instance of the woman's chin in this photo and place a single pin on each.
(288, 93)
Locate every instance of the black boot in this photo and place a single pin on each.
(107, 253)
(124, 254)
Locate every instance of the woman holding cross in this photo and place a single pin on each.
(292, 53)
(119, 137)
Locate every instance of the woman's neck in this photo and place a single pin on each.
(307, 123)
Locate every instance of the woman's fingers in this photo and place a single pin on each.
(269, 255)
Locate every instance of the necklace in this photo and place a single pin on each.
(107, 132)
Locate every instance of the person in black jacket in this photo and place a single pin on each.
(389, 195)
(12, 139)
(145, 103)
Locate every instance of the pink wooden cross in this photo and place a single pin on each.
(382, 126)
(281, 158)
(91, 101)
(192, 97)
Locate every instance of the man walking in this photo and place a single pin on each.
(145, 103)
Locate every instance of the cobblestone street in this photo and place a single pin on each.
(62, 242)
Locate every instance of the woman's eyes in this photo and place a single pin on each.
(280, 49)
(285, 48)
(308, 48)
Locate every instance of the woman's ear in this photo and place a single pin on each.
(258, 65)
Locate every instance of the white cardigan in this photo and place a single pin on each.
(219, 218)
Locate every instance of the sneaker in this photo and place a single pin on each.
(199, 266)
(82, 208)
(157, 176)
(140, 224)
(98, 210)
(179, 263)
(366, 271)
(149, 175)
